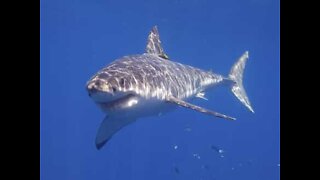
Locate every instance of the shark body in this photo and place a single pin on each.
(148, 84)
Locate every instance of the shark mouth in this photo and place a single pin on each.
(118, 103)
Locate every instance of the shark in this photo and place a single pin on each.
(150, 84)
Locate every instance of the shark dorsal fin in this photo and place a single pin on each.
(154, 44)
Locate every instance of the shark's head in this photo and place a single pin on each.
(105, 88)
(100, 91)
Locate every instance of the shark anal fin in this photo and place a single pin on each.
(109, 126)
(198, 108)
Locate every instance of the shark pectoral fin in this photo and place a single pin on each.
(197, 108)
(109, 126)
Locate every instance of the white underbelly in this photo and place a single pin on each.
(140, 107)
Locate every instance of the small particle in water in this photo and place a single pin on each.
(232, 168)
(215, 148)
(175, 147)
(219, 150)
(176, 170)
(279, 165)
(187, 129)
(196, 155)
(240, 164)
(206, 167)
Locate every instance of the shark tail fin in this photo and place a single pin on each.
(236, 75)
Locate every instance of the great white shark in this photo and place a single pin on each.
(151, 83)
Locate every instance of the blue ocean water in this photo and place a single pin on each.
(79, 37)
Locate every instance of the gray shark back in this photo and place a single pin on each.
(151, 76)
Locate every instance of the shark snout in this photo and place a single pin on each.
(92, 88)
(96, 86)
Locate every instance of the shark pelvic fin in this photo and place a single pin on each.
(201, 95)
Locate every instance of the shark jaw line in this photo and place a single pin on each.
(114, 104)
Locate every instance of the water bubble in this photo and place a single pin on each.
(196, 155)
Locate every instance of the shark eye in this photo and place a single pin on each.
(122, 82)
(114, 89)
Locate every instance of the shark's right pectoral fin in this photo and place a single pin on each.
(197, 108)
(109, 126)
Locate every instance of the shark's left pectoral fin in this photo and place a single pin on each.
(182, 103)
(109, 126)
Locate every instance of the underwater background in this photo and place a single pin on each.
(79, 37)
